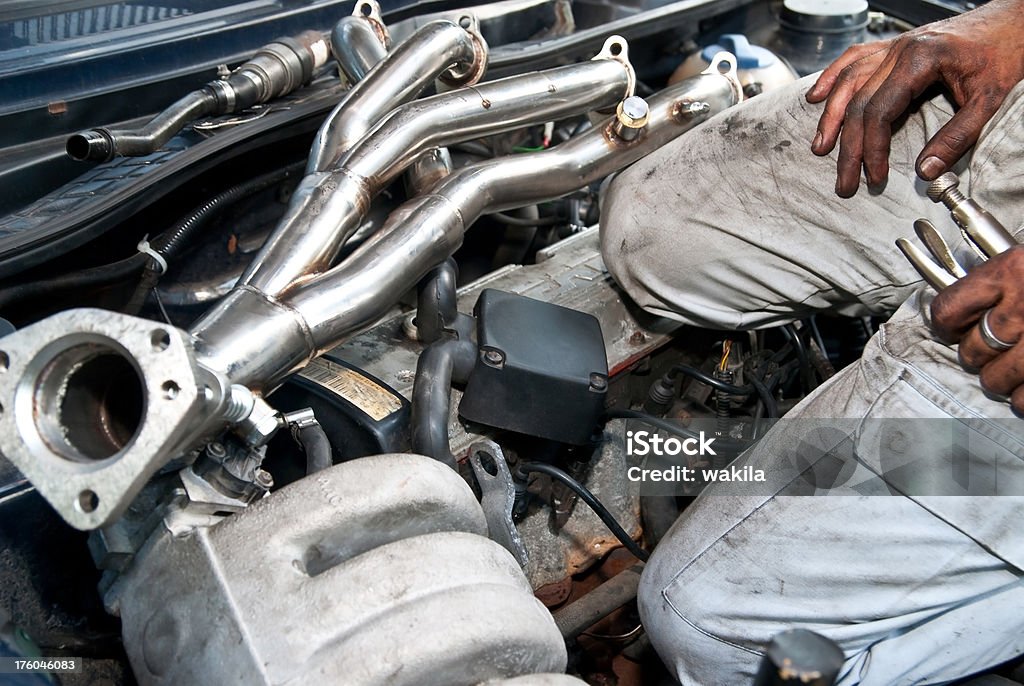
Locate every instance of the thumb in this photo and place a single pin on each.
(955, 138)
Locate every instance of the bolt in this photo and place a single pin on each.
(946, 189)
(264, 479)
(494, 358)
(631, 117)
(216, 450)
(691, 109)
(598, 382)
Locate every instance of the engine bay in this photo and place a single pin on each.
(311, 370)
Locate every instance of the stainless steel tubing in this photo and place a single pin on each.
(360, 41)
(257, 340)
(331, 206)
(436, 48)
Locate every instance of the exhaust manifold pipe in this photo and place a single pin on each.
(72, 385)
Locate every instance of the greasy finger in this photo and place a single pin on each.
(851, 147)
(848, 83)
(827, 79)
(899, 81)
(957, 137)
(1004, 373)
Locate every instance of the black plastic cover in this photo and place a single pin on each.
(542, 369)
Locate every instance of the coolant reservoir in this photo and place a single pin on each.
(813, 33)
(759, 69)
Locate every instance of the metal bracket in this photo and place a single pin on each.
(617, 48)
(498, 496)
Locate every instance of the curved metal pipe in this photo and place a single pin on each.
(331, 205)
(400, 76)
(276, 69)
(257, 341)
(102, 144)
(360, 41)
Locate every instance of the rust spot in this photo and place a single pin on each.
(57, 108)
(232, 244)
(554, 594)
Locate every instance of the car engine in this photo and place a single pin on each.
(310, 367)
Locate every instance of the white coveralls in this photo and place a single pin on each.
(735, 225)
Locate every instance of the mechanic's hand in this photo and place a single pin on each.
(976, 55)
(996, 285)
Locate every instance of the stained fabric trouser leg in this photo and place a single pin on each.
(735, 225)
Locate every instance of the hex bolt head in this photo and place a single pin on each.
(264, 479)
(494, 358)
(598, 382)
(216, 450)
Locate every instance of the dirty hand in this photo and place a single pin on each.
(977, 56)
(997, 288)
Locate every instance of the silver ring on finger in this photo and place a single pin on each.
(989, 337)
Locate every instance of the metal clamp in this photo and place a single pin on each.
(983, 232)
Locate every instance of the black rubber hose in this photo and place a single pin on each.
(436, 307)
(586, 496)
(440, 363)
(103, 275)
(317, 447)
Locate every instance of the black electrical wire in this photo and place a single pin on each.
(596, 505)
(763, 392)
(170, 243)
(806, 374)
(771, 408)
(694, 373)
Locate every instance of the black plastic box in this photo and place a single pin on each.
(541, 369)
